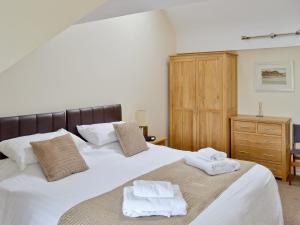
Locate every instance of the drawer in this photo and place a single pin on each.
(244, 126)
(242, 154)
(258, 141)
(270, 155)
(272, 129)
(275, 169)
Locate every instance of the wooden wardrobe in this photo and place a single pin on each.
(202, 98)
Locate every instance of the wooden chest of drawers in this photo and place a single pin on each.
(265, 140)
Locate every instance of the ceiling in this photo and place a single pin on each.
(114, 8)
(36, 21)
(219, 24)
(213, 25)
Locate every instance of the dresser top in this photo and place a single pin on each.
(205, 53)
(270, 119)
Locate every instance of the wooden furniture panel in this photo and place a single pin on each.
(183, 128)
(263, 140)
(272, 129)
(183, 100)
(257, 140)
(257, 152)
(210, 129)
(275, 169)
(183, 83)
(244, 126)
(211, 88)
(204, 84)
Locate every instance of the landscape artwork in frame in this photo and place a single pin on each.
(275, 76)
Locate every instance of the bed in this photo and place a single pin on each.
(26, 198)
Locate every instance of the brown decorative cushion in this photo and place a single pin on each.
(58, 157)
(130, 138)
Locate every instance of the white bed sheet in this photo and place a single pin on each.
(7, 168)
(27, 198)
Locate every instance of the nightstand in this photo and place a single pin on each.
(159, 141)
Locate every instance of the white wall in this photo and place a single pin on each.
(284, 104)
(121, 60)
(216, 25)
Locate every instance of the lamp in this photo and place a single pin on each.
(141, 119)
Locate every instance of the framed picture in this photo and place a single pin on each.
(275, 76)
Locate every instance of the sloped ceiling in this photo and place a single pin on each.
(114, 8)
(219, 24)
(25, 25)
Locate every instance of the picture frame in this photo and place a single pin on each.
(275, 76)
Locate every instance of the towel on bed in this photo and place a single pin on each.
(214, 167)
(153, 189)
(134, 206)
(210, 154)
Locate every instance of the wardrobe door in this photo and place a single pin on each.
(210, 132)
(182, 103)
(183, 129)
(210, 83)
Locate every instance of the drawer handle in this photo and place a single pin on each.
(243, 152)
(268, 155)
(244, 126)
(269, 129)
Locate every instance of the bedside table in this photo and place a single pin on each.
(159, 141)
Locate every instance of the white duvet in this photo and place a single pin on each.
(26, 198)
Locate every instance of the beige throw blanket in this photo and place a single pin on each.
(198, 189)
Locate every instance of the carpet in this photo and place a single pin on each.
(290, 197)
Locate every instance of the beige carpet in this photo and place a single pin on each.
(290, 197)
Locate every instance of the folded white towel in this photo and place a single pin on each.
(153, 189)
(134, 206)
(211, 154)
(214, 167)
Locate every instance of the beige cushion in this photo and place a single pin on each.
(130, 138)
(58, 157)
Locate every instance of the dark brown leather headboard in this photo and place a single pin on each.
(16, 126)
(100, 114)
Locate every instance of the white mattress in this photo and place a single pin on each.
(26, 198)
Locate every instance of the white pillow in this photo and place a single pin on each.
(98, 134)
(19, 149)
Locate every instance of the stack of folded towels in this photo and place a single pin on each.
(153, 198)
(211, 161)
